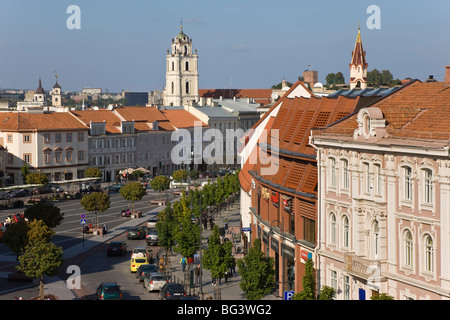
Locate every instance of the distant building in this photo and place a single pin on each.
(136, 98)
(358, 65)
(181, 72)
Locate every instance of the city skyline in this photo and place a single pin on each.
(251, 44)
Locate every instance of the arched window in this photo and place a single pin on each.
(408, 241)
(173, 66)
(173, 87)
(187, 66)
(332, 172)
(429, 254)
(345, 177)
(185, 50)
(345, 232)
(332, 228)
(187, 87)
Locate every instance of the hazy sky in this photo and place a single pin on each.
(241, 44)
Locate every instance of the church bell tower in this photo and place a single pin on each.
(181, 72)
(358, 65)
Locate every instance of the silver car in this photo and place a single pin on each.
(155, 281)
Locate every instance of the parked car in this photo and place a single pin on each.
(116, 248)
(135, 263)
(109, 291)
(139, 252)
(151, 223)
(151, 237)
(23, 193)
(125, 213)
(145, 269)
(114, 187)
(56, 188)
(171, 291)
(136, 233)
(155, 281)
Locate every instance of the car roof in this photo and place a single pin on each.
(140, 248)
(109, 283)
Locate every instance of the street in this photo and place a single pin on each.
(95, 266)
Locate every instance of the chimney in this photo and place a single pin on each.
(447, 74)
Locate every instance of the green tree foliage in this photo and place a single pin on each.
(40, 257)
(309, 283)
(382, 296)
(160, 183)
(166, 227)
(50, 214)
(180, 175)
(25, 171)
(257, 273)
(187, 234)
(279, 86)
(16, 236)
(326, 293)
(133, 191)
(218, 257)
(92, 172)
(97, 202)
(376, 78)
(194, 174)
(335, 78)
(36, 178)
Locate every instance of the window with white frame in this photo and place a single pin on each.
(429, 254)
(334, 280)
(332, 172)
(333, 226)
(345, 176)
(427, 186)
(378, 180)
(366, 177)
(345, 232)
(408, 247)
(346, 288)
(407, 183)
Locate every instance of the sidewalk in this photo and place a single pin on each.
(227, 291)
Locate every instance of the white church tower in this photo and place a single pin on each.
(181, 72)
(56, 93)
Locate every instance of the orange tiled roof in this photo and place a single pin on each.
(112, 122)
(181, 118)
(18, 121)
(420, 110)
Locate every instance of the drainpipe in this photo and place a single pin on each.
(311, 142)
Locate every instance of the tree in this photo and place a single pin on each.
(36, 178)
(92, 172)
(381, 296)
(194, 174)
(160, 183)
(47, 212)
(40, 258)
(180, 175)
(166, 227)
(326, 293)
(16, 236)
(133, 191)
(330, 79)
(25, 171)
(257, 273)
(218, 257)
(309, 283)
(97, 202)
(339, 78)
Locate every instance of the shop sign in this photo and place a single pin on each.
(275, 198)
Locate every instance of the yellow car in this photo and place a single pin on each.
(136, 262)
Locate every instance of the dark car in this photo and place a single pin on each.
(145, 269)
(151, 237)
(114, 187)
(116, 248)
(136, 233)
(109, 291)
(172, 291)
(23, 193)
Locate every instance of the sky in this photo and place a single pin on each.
(248, 44)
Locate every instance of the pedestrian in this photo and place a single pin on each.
(205, 223)
(190, 262)
(183, 263)
(226, 224)
(197, 275)
(104, 229)
(211, 223)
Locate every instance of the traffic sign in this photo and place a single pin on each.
(83, 216)
(83, 221)
(246, 229)
(288, 295)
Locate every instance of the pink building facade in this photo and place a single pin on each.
(384, 197)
